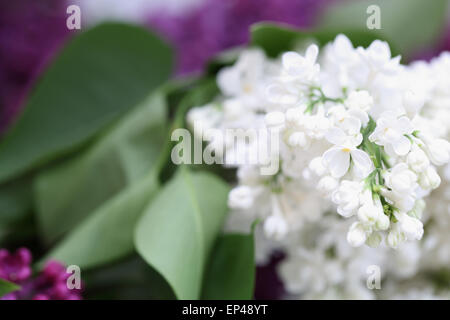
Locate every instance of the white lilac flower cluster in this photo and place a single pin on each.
(360, 134)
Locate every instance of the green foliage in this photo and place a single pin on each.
(98, 76)
(178, 229)
(410, 24)
(275, 39)
(130, 278)
(7, 287)
(68, 192)
(15, 201)
(107, 234)
(205, 90)
(231, 272)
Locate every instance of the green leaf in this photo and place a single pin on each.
(203, 92)
(127, 279)
(98, 76)
(7, 287)
(178, 229)
(15, 210)
(107, 234)
(409, 24)
(67, 193)
(275, 39)
(15, 201)
(231, 271)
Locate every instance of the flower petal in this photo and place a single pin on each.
(312, 53)
(293, 63)
(336, 136)
(363, 165)
(401, 146)
(337, 161)
(404, 125)
(352, 125)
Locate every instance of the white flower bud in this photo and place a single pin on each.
(411, 227)
(347, 197)
(327, 184)
(275, 227)
(382, 222)
(356, 235)
(400, 179)
(418, 209)
(402, 201)
(374, 240)
(417, 159)
(368, 213)
(241, 197)
(395, 237)
(429, 179)
(438, 150)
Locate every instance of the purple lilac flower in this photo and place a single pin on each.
(218, 25)
(15, 267)
(30, 32)
(49, 284)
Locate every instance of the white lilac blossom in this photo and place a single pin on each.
(360, 135)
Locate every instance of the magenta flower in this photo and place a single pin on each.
(49, 284)
(15, 267)
(218, 25)
(30, 33)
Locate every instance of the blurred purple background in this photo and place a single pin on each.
(218, 25)
(31, 31)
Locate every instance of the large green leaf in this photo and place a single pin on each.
(15, 209)
(67, 193)
(127, 279)
(15, 201)
(178, 229)
(97, 77)
(409, 24)
(275, 39)
(107, 234)
(203, 92)
(7, 287)
(231, 272)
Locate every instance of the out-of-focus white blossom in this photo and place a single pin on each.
(359, 134)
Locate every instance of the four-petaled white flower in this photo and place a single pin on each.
(337, 159)
(301, 67)
(391, 131)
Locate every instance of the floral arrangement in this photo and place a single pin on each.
(326, 150)
(356, 128)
